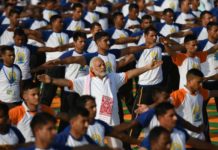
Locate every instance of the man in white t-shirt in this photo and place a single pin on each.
(10, 78)
(101, 85)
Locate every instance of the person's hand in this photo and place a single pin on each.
(216, 68)
(200, 128)
(154, 64)
(132, 27)
(141, 108)
(52, 62)
(44, 78)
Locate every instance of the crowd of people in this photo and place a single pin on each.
(96, 53)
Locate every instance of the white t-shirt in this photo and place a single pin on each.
(151, 77)
(54, 40)
(99, 88)
(22, 59)
(10, 78)
(47, 14)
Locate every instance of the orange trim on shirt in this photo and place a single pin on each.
(202, 56)
(178, 58)
(16, 114)
(178, 97)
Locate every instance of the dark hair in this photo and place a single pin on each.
(6, 48)
(189, 38)
(20, 32)
(194, 73)
(95, 24)
(100, 35)
(148, 29)
(78, 111)
(133, 6)
(4, 107)
(116, 14)
(89, 1)
(81, 101)
(54, 18)
(41, 119)
(204, 13)
(77, 5)
(12, 12)
(29, 86)
(156, 132)
(78, 34)
(146, 17)
(168, 10)
(162, 108)
(211, 24)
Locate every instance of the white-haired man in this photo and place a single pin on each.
(102, 86)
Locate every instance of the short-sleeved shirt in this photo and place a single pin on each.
(12, 137)
(185, 63)
(73, 71)
(6, 36)
(98, 130)
(21, 117)
(189, 107)
(180, 17)
(54, 39)
(65, 138)
(154, 76)
(208, 67)
(10, 78)
(200, 32)
(108, 86)
(178, 136)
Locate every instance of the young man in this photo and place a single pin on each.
(9, 135)
(10, 78)
(98, 129)
(76, 134)
(21, 116)
(191, 59)
(44, 131)
(5, 32)
(132, 21)
(166, 117)
(159, 138)
(188, 101)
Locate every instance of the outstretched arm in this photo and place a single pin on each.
(199, 144)
(212, 49)
(136, 72)
(59, 82)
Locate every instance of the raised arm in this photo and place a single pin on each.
(126, 40)
(136, 72)
(125, 60)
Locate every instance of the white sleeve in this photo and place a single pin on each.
(119, 79)
(78, 85)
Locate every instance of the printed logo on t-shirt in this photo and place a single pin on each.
(77, 28)
(176, 146)
(12, 77)
(97, 138)
(83, 68)
(108, 67)
(195, 66)
(20, 58)
(154, 55)
(122, 35)
(172, 30)
(196, 113)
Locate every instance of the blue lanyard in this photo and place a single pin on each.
(11, 81)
